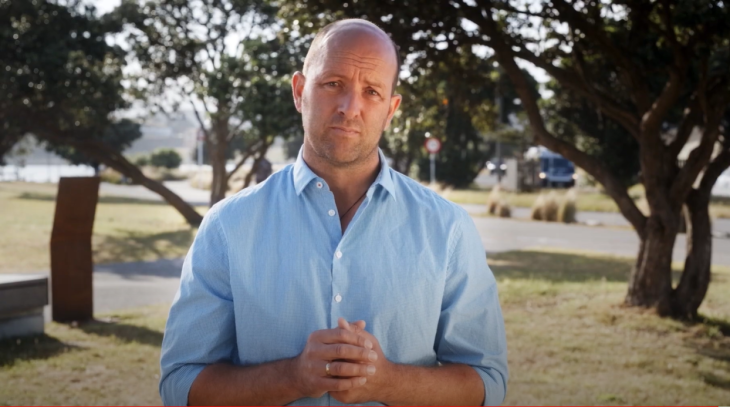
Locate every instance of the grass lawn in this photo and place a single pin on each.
(124, 229)
(570, 342)
(587, 201)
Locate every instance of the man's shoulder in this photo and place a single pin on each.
(419, 197)
(256, 195)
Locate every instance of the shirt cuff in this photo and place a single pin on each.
(495, 385)
(175, 387)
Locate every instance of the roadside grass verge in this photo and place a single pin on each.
(124, 229)
(570, 342)
(586, 201)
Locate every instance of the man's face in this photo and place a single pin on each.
(346, 98)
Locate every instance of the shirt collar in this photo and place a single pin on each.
(303, 175)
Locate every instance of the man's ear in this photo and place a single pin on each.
(394, 104)
(297, 89)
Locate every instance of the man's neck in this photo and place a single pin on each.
(346, 183)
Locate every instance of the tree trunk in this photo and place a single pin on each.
(650, 284)
(692, 287)
(217, 149)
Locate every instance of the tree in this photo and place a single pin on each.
(119, 136)
(61, 82)
(220, 57)
(648, 66)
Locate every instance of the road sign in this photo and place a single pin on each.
(433, 145)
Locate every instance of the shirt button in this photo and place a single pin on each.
(331, 212)
(338, 298)
(338, 254)
(319, 185)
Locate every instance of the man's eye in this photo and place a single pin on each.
(331, 84)
(373, 92)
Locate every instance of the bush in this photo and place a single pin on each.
(141, 161)
(111, 176)
(550, 208)
(536, 211)
(504, 210)
(494, 199)
(166, 158)
(545, 208)
(568, 211)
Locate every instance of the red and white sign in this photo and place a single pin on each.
(433, 145)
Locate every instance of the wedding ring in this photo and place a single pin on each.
(327, 369)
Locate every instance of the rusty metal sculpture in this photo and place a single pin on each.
(71, 261)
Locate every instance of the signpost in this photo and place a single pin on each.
(433, 146)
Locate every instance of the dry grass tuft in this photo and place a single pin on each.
(568, 208)
(494, 198)
(504, 210)
(550, 207)
(537, 207)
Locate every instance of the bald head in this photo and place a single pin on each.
(349, 28)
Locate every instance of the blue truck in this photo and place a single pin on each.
(555, 170)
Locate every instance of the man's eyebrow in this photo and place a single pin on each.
(371, 82)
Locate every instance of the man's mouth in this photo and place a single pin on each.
(345, 130)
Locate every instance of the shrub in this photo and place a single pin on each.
(550, 208)
(166, 158)
(537, 207)
(111, 176)
(568, 210)
(504, 210)
(494, 199)
(142, 161)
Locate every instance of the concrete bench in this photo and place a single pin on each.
(22, 298)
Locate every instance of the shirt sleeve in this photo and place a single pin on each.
(200, 328)
(471, 327)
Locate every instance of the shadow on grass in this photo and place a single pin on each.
(30, 348)
(559, 267)
(122, 331)
(133, 246)
(565, 267)
(35, 196)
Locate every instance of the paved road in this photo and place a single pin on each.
(721, 227)
(128, 285)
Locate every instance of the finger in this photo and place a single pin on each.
(338, 351)
(342, 323)
(335, 384)
(341, 335)
(346, 369)
(359, 325)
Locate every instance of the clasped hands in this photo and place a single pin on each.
(358, 370)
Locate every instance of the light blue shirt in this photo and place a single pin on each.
(270, 265)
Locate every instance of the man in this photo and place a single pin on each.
(277, 270)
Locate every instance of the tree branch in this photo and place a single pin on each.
(713, 172)
(634, 79)
(573, 81)
(697, 159)
(612, 185)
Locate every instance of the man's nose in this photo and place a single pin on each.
(350, 104)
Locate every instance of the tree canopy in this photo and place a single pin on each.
(657, 70)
